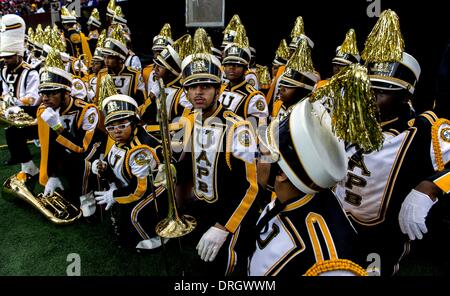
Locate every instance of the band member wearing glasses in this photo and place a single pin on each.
(128, 169)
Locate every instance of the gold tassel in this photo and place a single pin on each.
(349, 45)
(232, 25)
(65, 11)
(118, 11)
(299, 28)
(241, 39)
(30, 34)
(107, 89)
(301, 60)
(385, 42)
(95, 14)
(112, 5)
(166, 31)
(101, 39)
(201, 43)
(354, 111)
(183, 45)
(39, 35)
(283, 50)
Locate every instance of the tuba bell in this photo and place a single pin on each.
(55, 208)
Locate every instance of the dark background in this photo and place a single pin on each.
(425, 26)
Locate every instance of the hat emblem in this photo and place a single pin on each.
(108, 43)
(234, 50)
(112, 106)
(45, 77)
(199, 66)
(288, 72)
(382, 67)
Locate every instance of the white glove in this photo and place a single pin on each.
(51, 117)
(210, 243)
(413, 212)
(12, 110)
(52, 184)
(97, 163)
(10, 100)
(160, 179)
(105, 197)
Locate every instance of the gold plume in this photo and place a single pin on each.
(385, 41)
(30, 34)
(232, 25)
(107, 89)
(349, 45)
(183, 45)
(39, 35)
(166, 31)
(101, 39)
(65, 11)
(201, 42)
(118, 34)
(299, 28)
(264, 77)
(241, 37)
(74, 13)
(111, 5)
(354, 110)
(95, 14)
(301, 60)
(118, 11)
(53, 59)
(283, 50)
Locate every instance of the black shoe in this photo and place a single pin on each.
(11, 162)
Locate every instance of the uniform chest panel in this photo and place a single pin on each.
(231, 100)
(69, 121)
(123, 83)
(266, 260)
(207, 143)
(116, 160)
(367, 189)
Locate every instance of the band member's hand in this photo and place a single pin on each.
(413, 212)
(12, 110)
(53, 183)
(160, 179)
(51, 117)
(210, 243)
(105, 197)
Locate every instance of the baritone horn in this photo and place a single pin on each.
(54, 207)
(173, 225)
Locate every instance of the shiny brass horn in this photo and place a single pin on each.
(173, 225)
(20, 119)
(55, 208)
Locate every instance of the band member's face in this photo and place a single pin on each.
(120, 130)
(234, 71)
(389, 102)
(11, 61)
(287, 93)
(52, 98)
(112, 62)
(161, 72)
(202, 95)
(96, 67)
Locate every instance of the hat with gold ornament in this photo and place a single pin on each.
(67, 17)
(111, 8)
(347, 53)
(390, 67)
(201, 66)
(98, 56)
(115, 44)
(94, 19)
(282, 54)
(230, 31)
(119, 17)
(237, 52)
(299, 70)
(216, 52)
(12, 35)
(298, 33)
(163, 39)
(53, 75)
(171, 56)
(263, 77)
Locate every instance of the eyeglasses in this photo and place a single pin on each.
(49, 93)
(119, 127)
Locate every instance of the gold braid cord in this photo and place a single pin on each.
(335, 264)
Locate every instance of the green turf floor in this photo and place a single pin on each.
(31, 245)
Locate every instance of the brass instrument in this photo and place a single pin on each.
(173, 225)
(55, 208)
(20, 119)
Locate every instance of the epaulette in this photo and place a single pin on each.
(436, 135)
(131, 69)
(430, 116)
